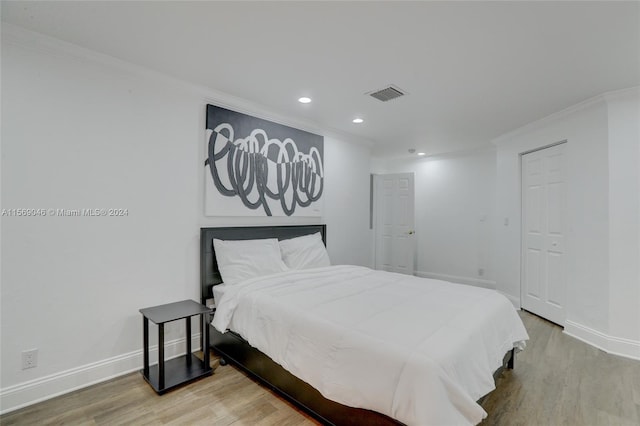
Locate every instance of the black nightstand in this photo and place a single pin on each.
(170, 374)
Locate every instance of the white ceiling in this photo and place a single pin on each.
(473, 70)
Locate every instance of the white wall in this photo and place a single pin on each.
(624, 215)
(454, 214)
(587, 214)
(602, 200)
(347, 203)
(80, 130)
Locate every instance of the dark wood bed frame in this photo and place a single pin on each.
(234, 349)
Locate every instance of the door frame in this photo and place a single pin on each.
(522, 227)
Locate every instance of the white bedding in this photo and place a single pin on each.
(419, 350)
(218, 291)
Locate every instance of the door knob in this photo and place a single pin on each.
(411, 232)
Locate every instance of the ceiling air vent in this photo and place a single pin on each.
(387, 94)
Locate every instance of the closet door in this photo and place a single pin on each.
(543, 233)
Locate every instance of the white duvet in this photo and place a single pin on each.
(419, 350)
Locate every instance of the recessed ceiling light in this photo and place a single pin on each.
(358, 120)
(304, 100)
(422, 153)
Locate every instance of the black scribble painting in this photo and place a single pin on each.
(255, 167)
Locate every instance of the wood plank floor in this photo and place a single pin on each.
(557, 381)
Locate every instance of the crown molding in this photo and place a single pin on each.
(604, 97)
(413, 158)
(16, 35)
(631, 92)
(527, 128)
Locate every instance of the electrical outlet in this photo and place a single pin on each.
(29, 359)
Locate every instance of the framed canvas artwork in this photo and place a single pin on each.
(256, 167)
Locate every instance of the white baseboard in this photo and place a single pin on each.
(614, 345)
(43, 388)
(457, 279)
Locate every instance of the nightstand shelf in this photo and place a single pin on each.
(177, 371)
(166, 375)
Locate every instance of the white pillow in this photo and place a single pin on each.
(239, 260)
(305, 252)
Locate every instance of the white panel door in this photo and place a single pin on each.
(543, 233)
(394, 209)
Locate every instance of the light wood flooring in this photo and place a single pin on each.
(557, 381)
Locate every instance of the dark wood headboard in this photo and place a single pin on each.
(209, 273)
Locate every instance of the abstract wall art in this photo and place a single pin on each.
(256, 167)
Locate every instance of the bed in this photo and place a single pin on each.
(371, 363)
